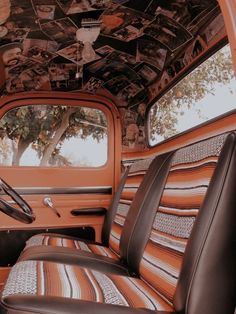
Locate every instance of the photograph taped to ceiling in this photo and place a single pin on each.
(62, 31)
(74, 53)
(183, 12)
(124, 23)
(63, 77)
(132, 65)
(151, 52)
(34, 77)
(93, 85)
(45, 12)
(168, 32)
(122, 57)
(22, 15)
(17, 34)
(105, 50)
(80, 6)
(38, 50)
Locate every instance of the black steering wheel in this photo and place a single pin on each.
(26, 215)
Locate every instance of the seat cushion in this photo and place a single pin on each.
(69, 250)
(69, 242)
(50, 280)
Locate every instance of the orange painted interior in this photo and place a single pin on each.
(107, 175)
(4, 271)
(46, 218)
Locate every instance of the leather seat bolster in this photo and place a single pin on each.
(111, 212)
(71, 256)
(143, 210)
(51, 305)
(210, 255)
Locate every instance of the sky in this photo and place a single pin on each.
(86, 152)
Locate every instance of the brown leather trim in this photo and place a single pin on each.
(74, 257)
(52, 305)
(112, 210)
(142, 212)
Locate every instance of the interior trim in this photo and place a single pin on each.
(71, 190)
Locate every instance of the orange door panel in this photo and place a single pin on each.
(69, 188)
(46, 218)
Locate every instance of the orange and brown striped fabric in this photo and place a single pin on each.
(187, 182)
(51, 240)
(135, 177)
(68, 281)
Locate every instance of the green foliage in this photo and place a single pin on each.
(40, 125)
(193, 88)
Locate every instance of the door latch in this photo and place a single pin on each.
(47, 201)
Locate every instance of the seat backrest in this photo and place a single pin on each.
(134, 178)
(191, 196)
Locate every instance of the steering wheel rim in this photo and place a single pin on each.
(26, 215)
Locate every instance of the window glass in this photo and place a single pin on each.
(53, 136)
(205, 93)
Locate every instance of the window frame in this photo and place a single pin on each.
(24, 177)
(64, 101)
(67, 105)
(201, 58)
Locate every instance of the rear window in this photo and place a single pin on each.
(205, 93)
(53, 136)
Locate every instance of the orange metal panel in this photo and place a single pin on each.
(46, 218)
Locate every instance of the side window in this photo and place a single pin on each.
(53, 136)
(205, 93)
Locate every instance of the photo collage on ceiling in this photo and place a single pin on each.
(137, 52)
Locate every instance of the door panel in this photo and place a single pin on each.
(46, 217)
(69, 187)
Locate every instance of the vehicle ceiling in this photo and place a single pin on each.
(142, 46)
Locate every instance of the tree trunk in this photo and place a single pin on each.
(56, 138)
(19, 150)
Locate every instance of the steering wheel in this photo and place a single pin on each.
(26, 215)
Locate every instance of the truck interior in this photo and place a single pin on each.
(117, 156)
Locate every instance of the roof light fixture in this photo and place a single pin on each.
(88, 34)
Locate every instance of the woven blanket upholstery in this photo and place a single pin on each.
(67, 281)
(188, 180)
